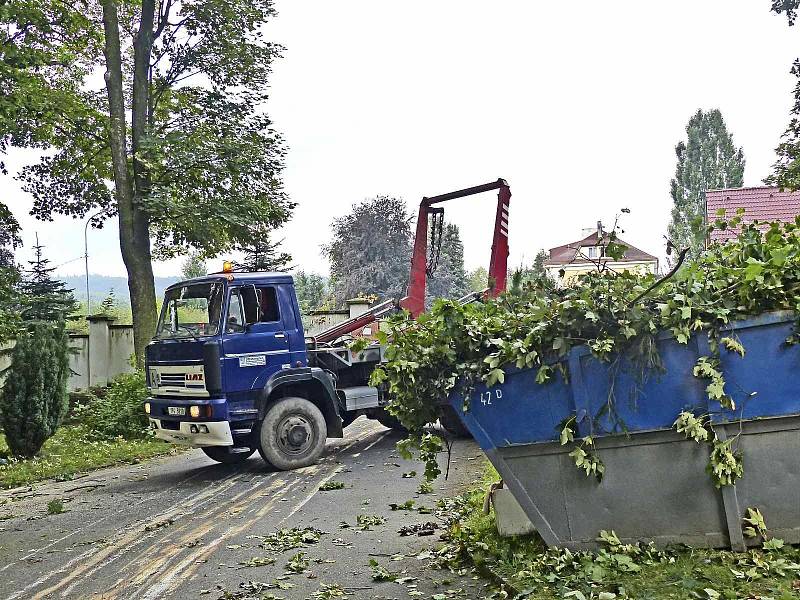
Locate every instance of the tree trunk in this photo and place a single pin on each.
(134, 234)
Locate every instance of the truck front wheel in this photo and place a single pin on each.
(224, 454)
(293, 434)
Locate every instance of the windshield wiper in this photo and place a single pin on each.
(189, 331)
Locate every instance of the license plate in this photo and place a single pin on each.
(176, 411)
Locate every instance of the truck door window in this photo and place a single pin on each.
(268, 305)
(236, 320)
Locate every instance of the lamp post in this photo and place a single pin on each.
(88, 312)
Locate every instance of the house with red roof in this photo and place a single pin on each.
(565, 263)
(764, 203)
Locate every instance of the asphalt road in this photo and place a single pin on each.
(182, 527)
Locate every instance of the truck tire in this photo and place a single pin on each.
(388, 420)
(223, 454)
(293, 434)
(449, 419)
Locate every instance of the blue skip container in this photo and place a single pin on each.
(655, 486)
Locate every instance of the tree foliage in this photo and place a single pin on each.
(786, 170)
(44, 298)
(449, 280)
(478, 279)
(9, 274)
(263, 255)
(707, 160)
(179, 127)
(34, 397)
(370, 250)
(117, 411)
(788, 7)
(312, 291)
(194, 266)
(613, 314)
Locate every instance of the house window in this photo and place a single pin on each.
(593, 251)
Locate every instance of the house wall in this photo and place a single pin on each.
(574, 270)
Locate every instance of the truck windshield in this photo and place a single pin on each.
(191, 311)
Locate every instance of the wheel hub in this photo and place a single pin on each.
(295, 434)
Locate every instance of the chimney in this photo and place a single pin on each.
(599, 230)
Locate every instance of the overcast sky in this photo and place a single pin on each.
(577, 104)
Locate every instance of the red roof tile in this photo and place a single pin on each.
(562, 255)
(760, 204)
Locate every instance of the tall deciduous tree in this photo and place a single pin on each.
(179, 127)
(707, 159)
(312, 290)
(9, 275)
(370, 250)
(194, 266)
(479, 279)
(449, 280)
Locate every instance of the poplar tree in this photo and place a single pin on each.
(786, 171)
(707, 160)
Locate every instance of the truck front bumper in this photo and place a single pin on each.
(196, 434)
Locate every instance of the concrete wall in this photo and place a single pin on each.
(318, 321)
(97, 357)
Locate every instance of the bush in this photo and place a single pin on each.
(118, 410)
(34, 397)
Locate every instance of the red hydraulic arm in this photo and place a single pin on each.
(414, 302)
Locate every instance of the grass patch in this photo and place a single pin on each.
(73, 450)
(617, 571)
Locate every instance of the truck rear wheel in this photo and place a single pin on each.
(388, 420)
(225, 455)
(293, 434)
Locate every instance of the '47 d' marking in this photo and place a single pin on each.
(488, 395)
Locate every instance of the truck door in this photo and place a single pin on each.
(255, 340)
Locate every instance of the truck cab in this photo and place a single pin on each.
(229, 370)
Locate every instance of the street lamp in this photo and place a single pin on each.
(86, 251)
(86, 265)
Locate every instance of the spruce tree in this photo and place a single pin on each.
(707, 160)
(34, 396)
(263, 256)
(108, 307)
(44, 298)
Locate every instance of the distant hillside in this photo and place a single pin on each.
(99, 285)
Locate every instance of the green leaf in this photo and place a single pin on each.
(495, 376)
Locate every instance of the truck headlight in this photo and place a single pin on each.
(147, 407)
(194, 411)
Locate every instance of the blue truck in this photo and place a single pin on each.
(231, 371)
